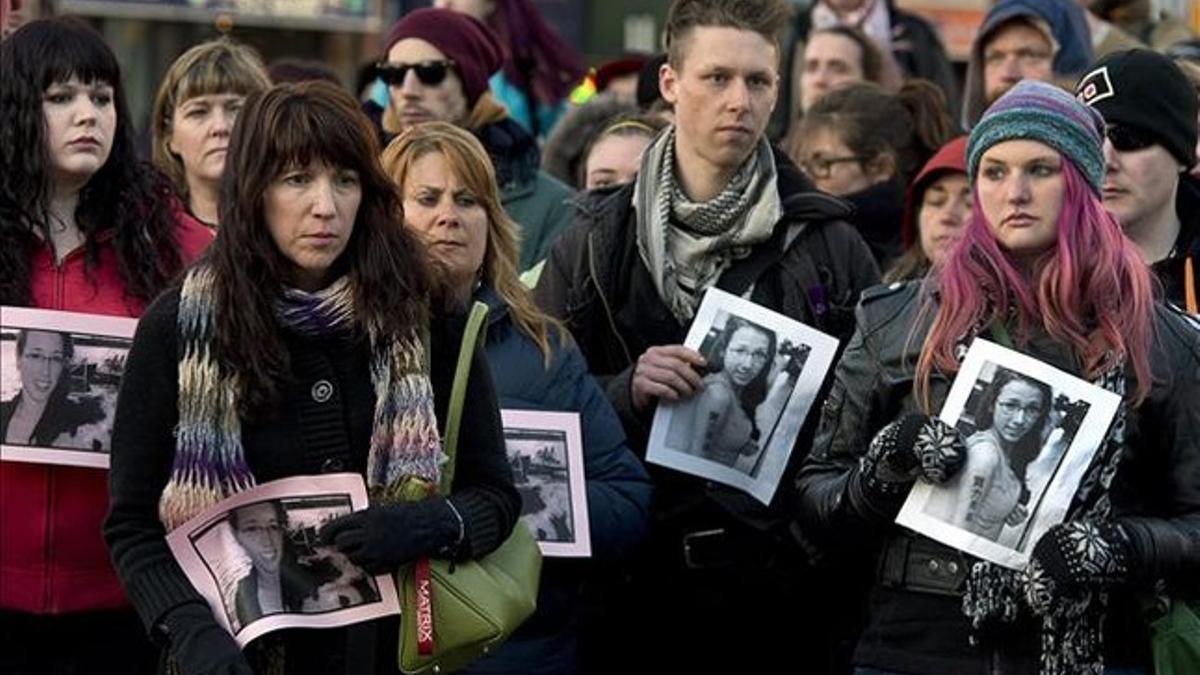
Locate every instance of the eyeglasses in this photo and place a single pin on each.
(1128, 139)
(1012, 408)
(430, 73)
(820, 167)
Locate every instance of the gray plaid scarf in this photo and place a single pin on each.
(686, 245)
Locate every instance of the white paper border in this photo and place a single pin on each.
(1102, 408)
(823, 348)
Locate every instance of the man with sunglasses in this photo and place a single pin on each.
(1150, 110)
(713, 205)
(437, 65)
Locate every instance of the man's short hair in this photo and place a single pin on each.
(765, 17)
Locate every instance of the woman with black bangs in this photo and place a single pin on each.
(304, 344)
(84, 227)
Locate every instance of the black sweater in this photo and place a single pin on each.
(302, 437)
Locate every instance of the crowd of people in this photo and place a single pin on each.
(301, 258)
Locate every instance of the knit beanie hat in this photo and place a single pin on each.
(473, 47)
(1041, 112)
(1145, 90)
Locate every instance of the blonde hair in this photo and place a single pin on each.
(216, 67)
(470, 163)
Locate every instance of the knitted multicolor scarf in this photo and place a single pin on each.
(210, 462)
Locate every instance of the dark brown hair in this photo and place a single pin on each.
(286, 126)
(765, 17)
(127, 196)
(909, 126)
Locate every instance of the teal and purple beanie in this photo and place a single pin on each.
(1037, 111)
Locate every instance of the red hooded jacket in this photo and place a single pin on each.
(52, 557)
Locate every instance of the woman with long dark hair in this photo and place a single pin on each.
(1044, 267)
(85, 227)
(302, 344)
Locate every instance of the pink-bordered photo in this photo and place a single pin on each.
(256, 559)
(59, 377)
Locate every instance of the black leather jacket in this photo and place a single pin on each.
(1156, 493)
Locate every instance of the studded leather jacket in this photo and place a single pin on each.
(915, 621)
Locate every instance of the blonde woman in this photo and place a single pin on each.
(194, 111)
(451, 201)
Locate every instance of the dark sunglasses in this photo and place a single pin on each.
(430, 73)
(1128, 139)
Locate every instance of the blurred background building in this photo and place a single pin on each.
(344, 34)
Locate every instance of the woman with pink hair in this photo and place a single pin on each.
(1041, 261)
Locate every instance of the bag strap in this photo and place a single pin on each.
(458, 391)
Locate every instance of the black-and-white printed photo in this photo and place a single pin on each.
(265, 558)
(759, 384)
(1016, 431)
(1022, 424)
(257, 560)
(546, 457)
(58, 385)
(750, 377)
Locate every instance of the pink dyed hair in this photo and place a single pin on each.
(1092, 291)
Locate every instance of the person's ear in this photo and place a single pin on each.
(881, 168)
(668, 80)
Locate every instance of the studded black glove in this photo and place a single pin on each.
(381, 538)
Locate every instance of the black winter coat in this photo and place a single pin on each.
(712, 548)
(302, 436)
(917, 626)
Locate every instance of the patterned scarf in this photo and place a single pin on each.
(1071, 640)
(687, 245)
(210, 463)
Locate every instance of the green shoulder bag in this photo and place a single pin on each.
(453, 613)
(1175, 638)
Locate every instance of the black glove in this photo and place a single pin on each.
(1074, 558)
(382, 538)
(199, 645)
(911, 447)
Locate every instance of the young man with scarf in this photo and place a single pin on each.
(713, 206)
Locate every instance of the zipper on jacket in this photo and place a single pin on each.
(612, 323)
